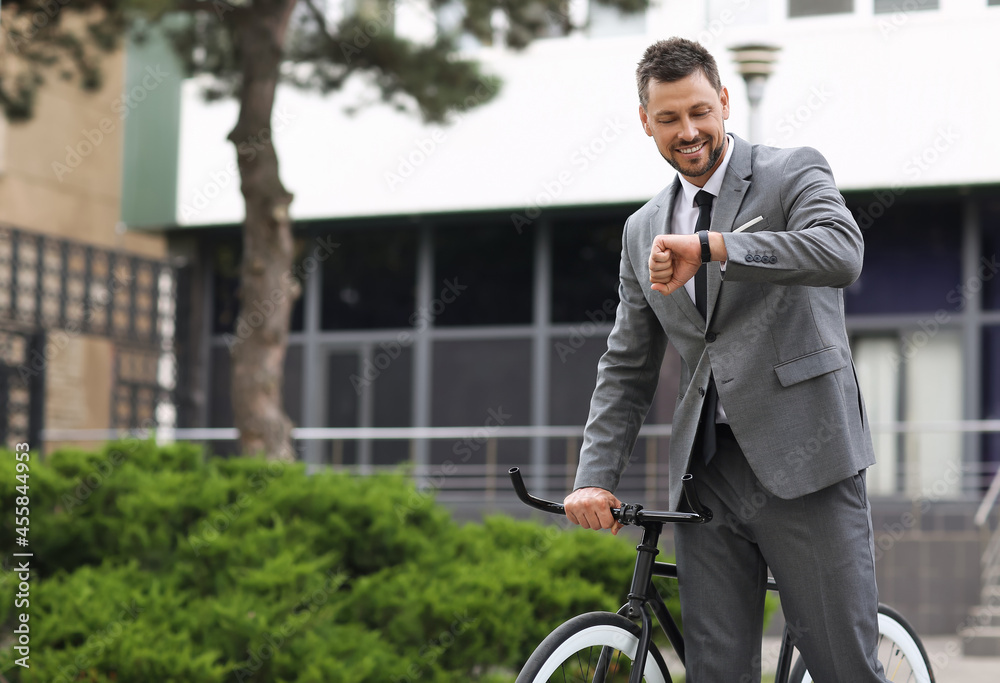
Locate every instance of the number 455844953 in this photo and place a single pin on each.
(21, 511)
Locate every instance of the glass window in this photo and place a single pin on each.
(379, 377)
(809, 8)
(893, 6)
(933, 392)
(481, 384)
(877, 362)
(369, 280)
(913, 260)
(604, 21)
(478, 380)
(991, 400)
(483, 275)
(573, 374)
(989, 262)
(342, 402)
(585, 262)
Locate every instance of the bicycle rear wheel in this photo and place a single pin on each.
(902, 654)
(593, 647)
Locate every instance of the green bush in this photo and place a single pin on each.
(158, 564)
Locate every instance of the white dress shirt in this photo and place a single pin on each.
(686, 211)
(685, 219)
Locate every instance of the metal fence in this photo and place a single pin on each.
(548, 457)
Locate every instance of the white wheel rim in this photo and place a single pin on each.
(892, 629)
(593, 636)
(889, 627)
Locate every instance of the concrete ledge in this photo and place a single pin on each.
(981, 641)
(985, 616)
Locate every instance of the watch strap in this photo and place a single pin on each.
(706, 250)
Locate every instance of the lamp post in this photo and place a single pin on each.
(755, 62)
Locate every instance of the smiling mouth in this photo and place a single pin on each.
(690, 150)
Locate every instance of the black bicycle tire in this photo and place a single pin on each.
(799, 670)
(549, 646)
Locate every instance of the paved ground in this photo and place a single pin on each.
(951, 667)
(945, 653)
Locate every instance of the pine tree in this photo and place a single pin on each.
(247, 47)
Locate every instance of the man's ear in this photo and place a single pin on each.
(645, 121)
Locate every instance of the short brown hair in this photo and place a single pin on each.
(671, 60)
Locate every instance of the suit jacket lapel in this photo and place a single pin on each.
(734, 186)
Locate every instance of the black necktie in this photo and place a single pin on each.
(710, 407)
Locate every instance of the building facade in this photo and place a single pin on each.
(466, 275)
(83, 299)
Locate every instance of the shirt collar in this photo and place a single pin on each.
(714, 184)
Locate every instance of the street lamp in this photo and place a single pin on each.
(755, 62)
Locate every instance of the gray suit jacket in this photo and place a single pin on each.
(775, 338)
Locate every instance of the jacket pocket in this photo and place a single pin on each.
(752, 225)
(810, 365)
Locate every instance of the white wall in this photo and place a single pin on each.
(891, 100)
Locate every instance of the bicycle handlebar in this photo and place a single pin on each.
(627, 513)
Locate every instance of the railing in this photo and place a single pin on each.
(552, 451)
(991, 555)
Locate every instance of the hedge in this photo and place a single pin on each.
(160, 564)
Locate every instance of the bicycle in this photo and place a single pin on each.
(601, 647)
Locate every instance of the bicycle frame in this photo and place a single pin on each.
(643, 596)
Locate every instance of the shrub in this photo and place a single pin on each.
(158, 564)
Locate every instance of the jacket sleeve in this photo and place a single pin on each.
(821, 245)
(627, 376)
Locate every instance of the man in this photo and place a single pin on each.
(769, 419)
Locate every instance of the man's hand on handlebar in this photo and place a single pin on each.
(590, 507)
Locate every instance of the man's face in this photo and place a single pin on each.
(685, 119)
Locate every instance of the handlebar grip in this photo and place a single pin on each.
(627, 514)
(530, 500)
(693, 501)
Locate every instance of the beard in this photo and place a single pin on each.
(714, 155)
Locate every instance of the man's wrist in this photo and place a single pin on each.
(718, 246)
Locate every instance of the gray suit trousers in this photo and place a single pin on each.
(820, 550)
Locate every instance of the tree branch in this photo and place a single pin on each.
(320, 21)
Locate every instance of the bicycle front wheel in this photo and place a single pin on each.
(597, 646)
(902, 654)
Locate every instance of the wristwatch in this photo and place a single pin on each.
(706, 251)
